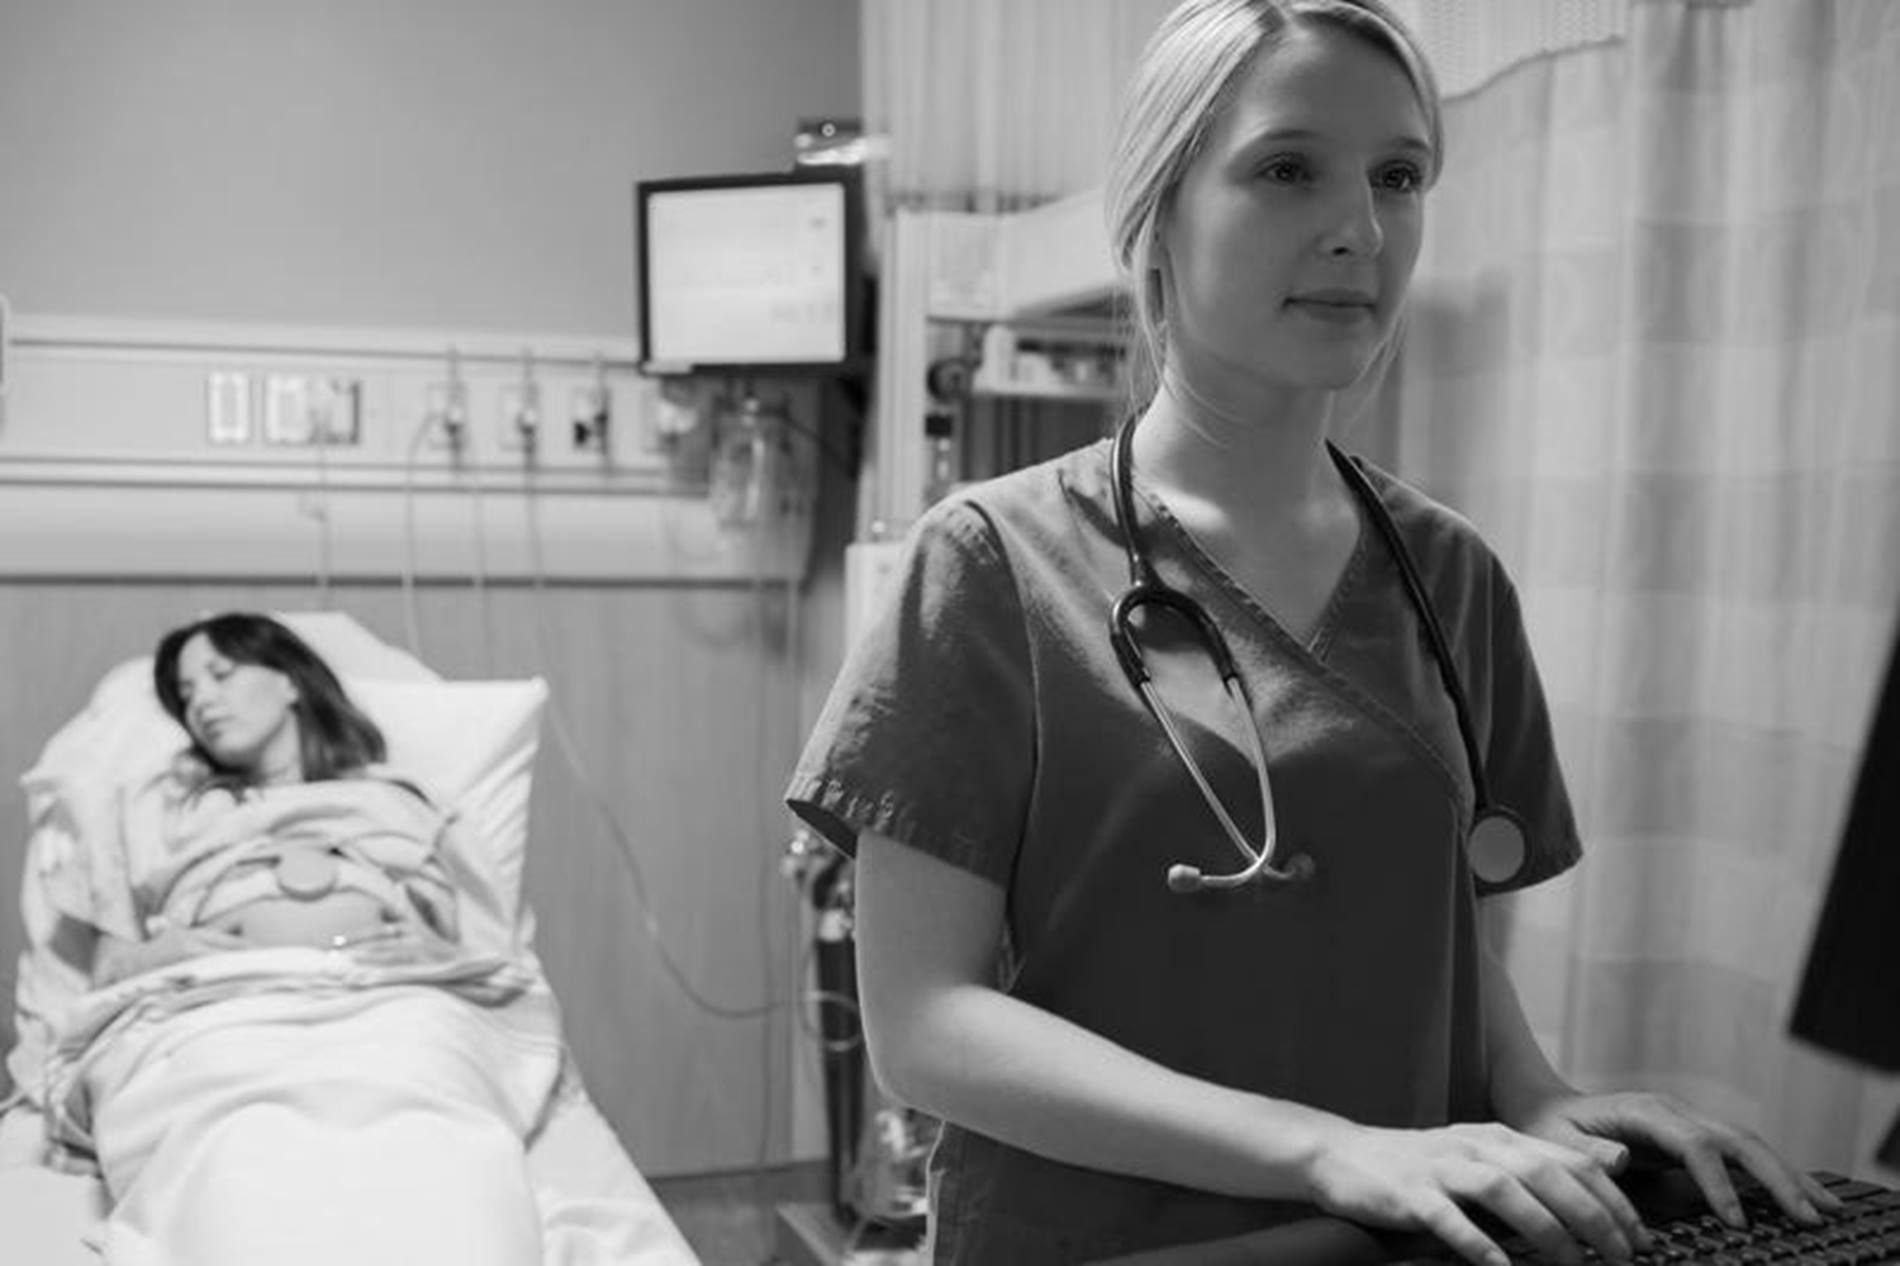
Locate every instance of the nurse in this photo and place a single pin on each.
(1124, 1062)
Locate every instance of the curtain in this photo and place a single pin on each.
(1470, 42)
(990, 105)
(1654, 353)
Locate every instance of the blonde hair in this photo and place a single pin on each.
(1187, 75)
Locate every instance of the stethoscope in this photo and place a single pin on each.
(1494, 846)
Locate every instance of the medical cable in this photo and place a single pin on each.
(826, 449)
(471, 471)
(812, 996)
(768, 960)
(809, 998)
(320, 511)
(412, 625)
(570, 753)
(625, 850)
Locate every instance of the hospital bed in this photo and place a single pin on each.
(473, 745)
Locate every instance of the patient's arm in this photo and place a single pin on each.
(114, 958)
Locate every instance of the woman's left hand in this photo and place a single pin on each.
(407, 945)
(1703, 1145)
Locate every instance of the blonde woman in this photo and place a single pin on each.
(1174, 957)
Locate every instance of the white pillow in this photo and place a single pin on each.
(352, 651)
(471, 744)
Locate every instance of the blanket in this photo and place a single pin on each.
(305, 1107)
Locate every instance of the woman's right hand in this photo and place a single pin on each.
(1554, 1196)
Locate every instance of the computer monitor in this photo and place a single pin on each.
(1849, 999)
(751, 274)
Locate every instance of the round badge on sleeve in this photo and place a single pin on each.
(1496, 849)
(306, 873)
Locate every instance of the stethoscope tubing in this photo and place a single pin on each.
(1355, 475)
(1146, 589)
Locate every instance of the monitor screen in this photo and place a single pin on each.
(755, 273)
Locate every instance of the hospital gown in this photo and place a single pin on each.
(984, 719)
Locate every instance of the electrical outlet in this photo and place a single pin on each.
(336, 412)
(228, 408)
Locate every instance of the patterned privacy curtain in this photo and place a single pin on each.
(995, 104)
(1654, 352)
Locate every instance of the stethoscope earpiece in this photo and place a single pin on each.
(1185, 879)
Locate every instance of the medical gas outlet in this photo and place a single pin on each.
(591, 410)
(521, 409)
(445, 414)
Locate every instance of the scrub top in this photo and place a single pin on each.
(985, 719)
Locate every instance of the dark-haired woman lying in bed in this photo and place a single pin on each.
(357, 1083)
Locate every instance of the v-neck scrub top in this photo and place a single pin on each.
(984, 719)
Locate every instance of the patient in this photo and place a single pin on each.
(292, 1104)
(278, 827)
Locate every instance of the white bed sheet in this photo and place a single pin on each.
(596, 1208)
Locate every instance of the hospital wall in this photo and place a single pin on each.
(353, 187)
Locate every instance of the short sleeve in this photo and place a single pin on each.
(1520, 749)
(928, 734)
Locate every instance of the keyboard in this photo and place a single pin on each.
(1864, 1233)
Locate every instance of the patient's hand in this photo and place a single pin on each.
(406, 945)
(115, 959)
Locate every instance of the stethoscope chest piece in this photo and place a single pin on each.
(1496, 847)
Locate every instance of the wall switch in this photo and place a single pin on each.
(287, 409)
(228, 408)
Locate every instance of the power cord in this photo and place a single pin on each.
(472, 474)
(811, 1000)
